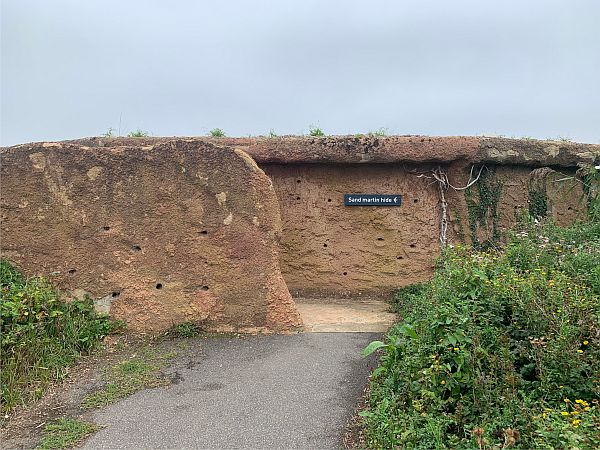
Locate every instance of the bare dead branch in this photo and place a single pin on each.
(441, 178)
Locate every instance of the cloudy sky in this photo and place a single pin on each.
(182, 67)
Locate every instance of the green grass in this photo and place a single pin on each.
(66, 433)
(138, 133)
(41, 335)
(185, 330)
(500, 348)
(216, 132)
(315, 131)
(130, 376)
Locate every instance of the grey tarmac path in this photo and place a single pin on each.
(260, 392)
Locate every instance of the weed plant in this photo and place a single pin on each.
(381, 132)
(216, 132)
(315, 131)
(500, 349)
(138, 133)
(66, 433)
(126, 378)
(185, 330)
(41, 335)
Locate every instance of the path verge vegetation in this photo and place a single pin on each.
(41, 335)
(500, 349)
(139, 372)
(66, 433)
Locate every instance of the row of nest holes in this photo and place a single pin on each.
(399, 257)
(570, 208)
(158, 285)
(328, 200)
(115, 294)
(381, 239)
(138, 248)
(203, 288)
(300, 181)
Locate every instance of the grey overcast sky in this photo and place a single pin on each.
(180, 67)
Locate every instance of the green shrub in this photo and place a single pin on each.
(499, 349)
(381, 132)
(138, 133)
(41, 335)
(315, 131)
(216, 132)
(590, 178)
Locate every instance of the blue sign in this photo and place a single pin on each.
(372, 199)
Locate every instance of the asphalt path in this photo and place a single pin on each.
(260, 392)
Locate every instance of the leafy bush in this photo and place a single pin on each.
(216, 132)
(138, 133)
(499, 349)
(315, 131)
(41, 335)
(381, 132)
(590, 177)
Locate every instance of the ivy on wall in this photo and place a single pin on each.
(461, 228)
(590, 178)
(538, 204)
(482, 206)
(538, 196)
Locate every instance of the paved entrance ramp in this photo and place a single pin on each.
(335, 315)
(260, 392)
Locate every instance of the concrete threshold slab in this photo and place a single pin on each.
(327, 315)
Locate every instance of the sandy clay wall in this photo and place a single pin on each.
(332, 249)
(329, 249)
(156, 235)
(197, 216)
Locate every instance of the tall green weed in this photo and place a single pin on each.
(499, 349)
(40, 335)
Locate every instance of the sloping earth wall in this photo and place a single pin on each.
(328, 249)
(332, 249)
(156, 235)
